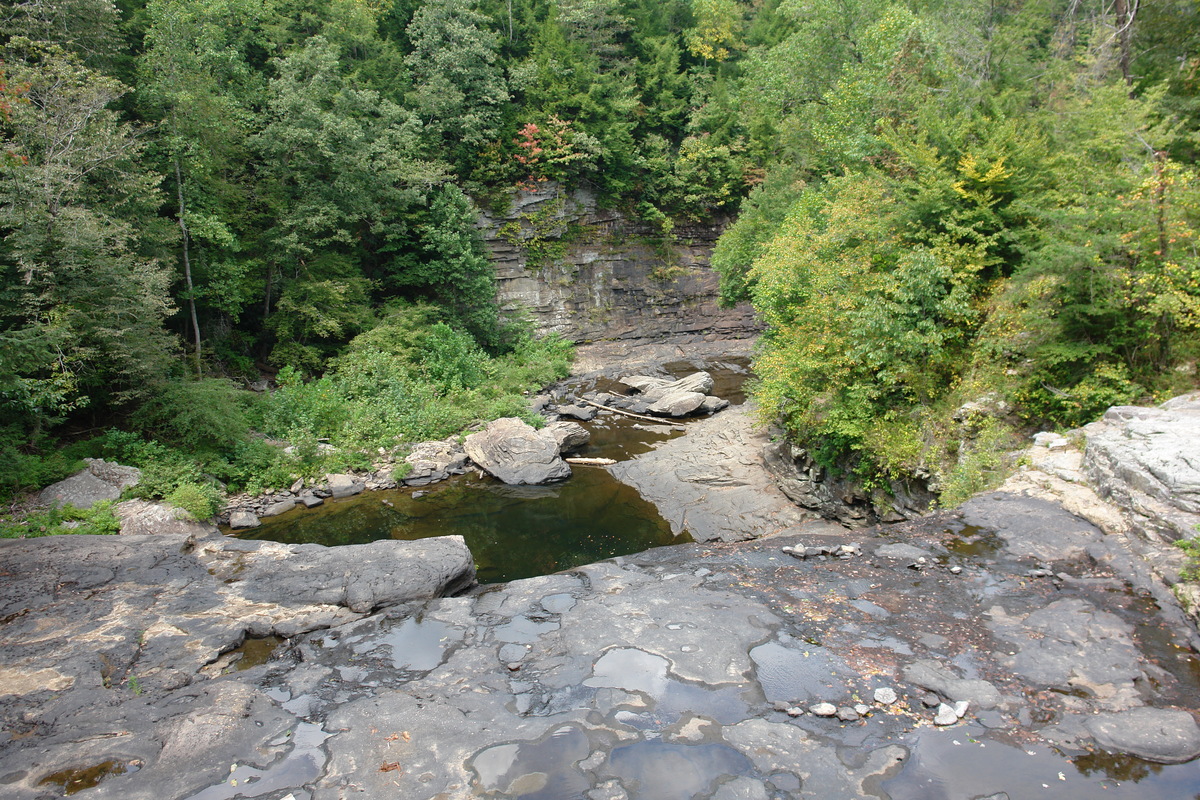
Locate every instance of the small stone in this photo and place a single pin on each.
(795, 711)
(945, 716)
(823, 710)
(955, 570)
(862, 709)
(297, 486)
(847, 714)
(885, 696)
(779, 705)
(960, 708)
(513, 666)
(310, 501)
(930, 700)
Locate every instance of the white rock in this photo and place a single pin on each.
(945, 715)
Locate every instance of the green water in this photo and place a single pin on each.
(513, 531)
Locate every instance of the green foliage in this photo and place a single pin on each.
(205, 415)
(97, 520)
(426, 385)
(951, 198)
(200, 501)
(23, 469)
(82, 305)
(1191, 547)
(982, 466)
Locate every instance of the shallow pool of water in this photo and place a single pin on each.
(513, 531)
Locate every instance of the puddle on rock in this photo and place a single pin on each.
(513, 531)
(962, 762)
(418, 644)
(541, 770)
(255, 651)
(973, 543)
(656, 770)
(633, 670)
(70, 781)
(524, 630)
(302, 765)
(800, 672)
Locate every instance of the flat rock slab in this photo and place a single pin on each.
(111, 647)
(511, 450)
(711, 482)
(1032, 527)
(1166, 736)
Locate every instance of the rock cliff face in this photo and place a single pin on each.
(593, 274)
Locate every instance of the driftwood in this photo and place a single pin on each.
(655, 420)
(590, 462)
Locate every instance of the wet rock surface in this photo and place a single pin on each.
(108, 645)
(704, 670)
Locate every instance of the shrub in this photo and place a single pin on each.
(982, 467)
(200, 501)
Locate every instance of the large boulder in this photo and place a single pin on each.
(569, 435)
(102, 480)
(1141, 459)
(514, 452)
(654, 388)
(679, 398)
(676, 403)
(144, 518)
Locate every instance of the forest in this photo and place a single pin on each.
(931, 202)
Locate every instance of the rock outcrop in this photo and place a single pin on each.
(512, 451)
(842, 498)
(101, 480)
(1145, 460)
(610, 277)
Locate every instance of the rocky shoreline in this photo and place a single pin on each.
(1025, 642)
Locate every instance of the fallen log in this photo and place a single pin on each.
(591, 462)
(655, 420)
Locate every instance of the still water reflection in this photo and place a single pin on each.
(513, 531)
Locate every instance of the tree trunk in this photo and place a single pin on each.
(187, 267)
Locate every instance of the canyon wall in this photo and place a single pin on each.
(594, 274)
